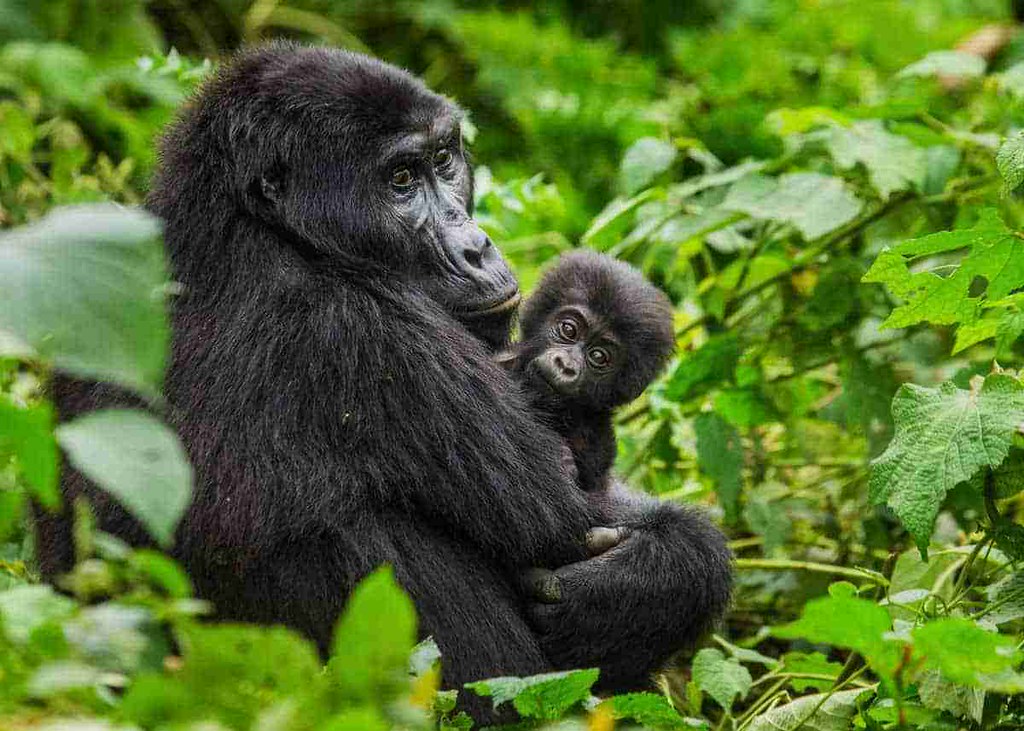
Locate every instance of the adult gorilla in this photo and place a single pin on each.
(333, 384)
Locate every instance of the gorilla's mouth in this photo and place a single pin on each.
(494, 308)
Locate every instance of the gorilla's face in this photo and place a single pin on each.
(364, 164)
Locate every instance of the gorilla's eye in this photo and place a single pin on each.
(568, 330)
(599, 357)
(402, 178)
(443, 158)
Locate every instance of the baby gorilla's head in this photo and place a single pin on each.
(595, 332)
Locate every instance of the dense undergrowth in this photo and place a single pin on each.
(828, 195)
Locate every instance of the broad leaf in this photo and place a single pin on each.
(943, 436)
(545, 697)
(1010, 160)
(136, 458)
(846, 621)
(374, 639)
(947, 63)
(648, 709)
(892, 161)
(821, 712)
(712, 363)
(646, 158)
(814, 204)
(813, 663)
(83, 288)
(965, 653)
(720, 677)
(992, 268)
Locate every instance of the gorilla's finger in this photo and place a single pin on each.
(600, 540)
(542, 585)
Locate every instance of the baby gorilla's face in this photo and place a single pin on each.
(579, 355)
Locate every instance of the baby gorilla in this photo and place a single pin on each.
(593, 336)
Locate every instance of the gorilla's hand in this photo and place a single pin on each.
(656, 582)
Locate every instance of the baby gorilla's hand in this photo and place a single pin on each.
(544, 586)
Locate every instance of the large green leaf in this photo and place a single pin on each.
(136, 458)
(820, 712)
(943, 436)
(720, 457)
(892, 161)
(720, 677)
(646, 158)
(814, 204)
(83, 288)
(712, 363)
(992, 268)
(547, 696)
(649, 709)
(846, 621)
(374, 639)
(965, 653)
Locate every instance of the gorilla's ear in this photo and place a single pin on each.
(270, 187)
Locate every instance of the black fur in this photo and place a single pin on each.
(338, 416)
(610, 306)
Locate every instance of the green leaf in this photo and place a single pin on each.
(846, 621)
(27, 435)
(17, 132)
(424, 656)
(646, 159)
(965, 653)
(770, 520)
(545, 697)
(648, 709)
(822, 712)
(720, 677)
(602, 229)
(947, 63)
(892, 161)
(230, 673)
(943, 436)
(23, 609)
(1007, 596)
(374, 639)
(136, 458)
(710, 364)
(813, 663)
(960, 700)
(744, 407)
(1010, 160)
(83, 288)
(814, 204)
(994, 262)
(720, 457)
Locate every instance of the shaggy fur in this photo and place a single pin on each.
(338, 416)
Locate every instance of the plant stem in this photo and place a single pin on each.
(781, 564)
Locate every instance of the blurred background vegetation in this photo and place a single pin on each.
(754, 158)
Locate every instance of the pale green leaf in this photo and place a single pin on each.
(1010, 160)
(546, 697)
(720, 677)
(965, 653)
(812, 663)
(943, 436)
(27, 435)
(136, 458)
(942, 695)
(814, 204)
(645, 159)
(720, 457)
(83, 288)
(820, 712)
(947, 63)
(892, 161)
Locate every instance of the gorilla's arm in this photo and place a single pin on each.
(630, 608)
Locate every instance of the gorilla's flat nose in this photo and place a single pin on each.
(566, 368)
(476, 249)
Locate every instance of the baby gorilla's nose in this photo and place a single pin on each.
(565, 367)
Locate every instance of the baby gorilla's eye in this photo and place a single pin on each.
(599, 357)
(568, 330)
(402, 178)
(443, 158)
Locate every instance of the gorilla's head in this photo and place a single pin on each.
(351, 163)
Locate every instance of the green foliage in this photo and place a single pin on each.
(767, 170)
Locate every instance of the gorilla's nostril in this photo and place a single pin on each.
(567, 370)
(473, 258)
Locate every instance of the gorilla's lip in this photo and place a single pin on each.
(497, 308)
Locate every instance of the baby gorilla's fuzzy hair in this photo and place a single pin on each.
(637, 312)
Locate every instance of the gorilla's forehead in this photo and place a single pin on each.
(352, 93)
